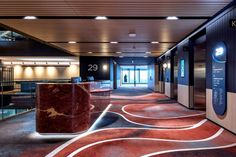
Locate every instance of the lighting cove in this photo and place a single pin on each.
(41, 63)
(45, 59)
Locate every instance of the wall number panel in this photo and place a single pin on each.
(94, 66)
(219, 72)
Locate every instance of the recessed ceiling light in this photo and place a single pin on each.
(132, 35)
(118, 52)
(148, 52)
(30, 18)
(90, 52)
(172, 18)
(114, 42)
(72, 42)
(155, 42)
(101, 18)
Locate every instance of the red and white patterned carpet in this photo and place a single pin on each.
(150, 125)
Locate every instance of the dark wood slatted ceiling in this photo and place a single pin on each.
(59, 31)
(111, 7)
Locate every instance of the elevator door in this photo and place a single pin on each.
(163, 79)
(175, 77)
(200, 76)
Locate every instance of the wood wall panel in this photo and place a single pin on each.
(217, 32)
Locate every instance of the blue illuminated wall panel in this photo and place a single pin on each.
(184, 55)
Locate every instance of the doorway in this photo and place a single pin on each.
(134, 75)
(175, 86)
(199, 90)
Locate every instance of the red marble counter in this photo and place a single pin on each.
(62, 108)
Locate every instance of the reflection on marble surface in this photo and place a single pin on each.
(100, 95)
(62, 108)
(100, 99)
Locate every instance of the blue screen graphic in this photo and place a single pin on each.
(182, 68)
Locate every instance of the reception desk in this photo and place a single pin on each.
(66, 107)
(62, 108)
(100, 95)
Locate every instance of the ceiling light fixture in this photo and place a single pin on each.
(64, 63)
(101, 18)
(114, 42)
(29, 63)
(132, 35)
(148, 52)
(155, 42)
(40, 63)
(52, 63)
(90, 52)
(7, 63)
(121, 56)
(17, 63)
(72, 42)
(172, 18)
(44, 59)
(145, 56)
(74, 63)
(30, 18)
(118, 52)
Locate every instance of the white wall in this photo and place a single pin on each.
(168, 89)
(153, 77)
(185, 95)
(229, 119)
(45, 72)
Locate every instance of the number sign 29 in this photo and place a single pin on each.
(92, 67)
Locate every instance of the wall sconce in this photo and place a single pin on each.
(104, 67)
(164, 65)
(168, 65)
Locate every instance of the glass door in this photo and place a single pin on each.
(134, 75)
(141, 74)
(127, 75)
